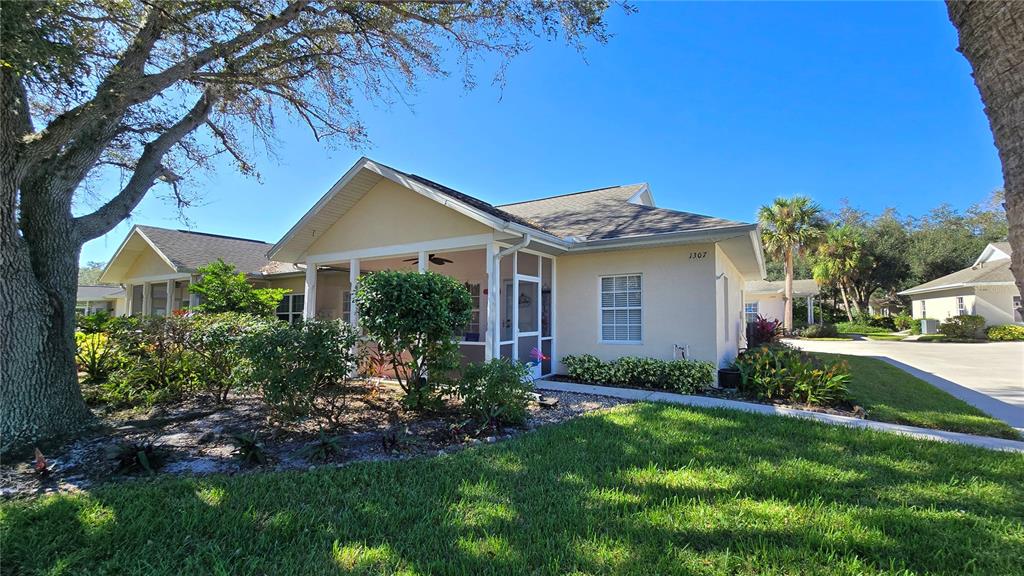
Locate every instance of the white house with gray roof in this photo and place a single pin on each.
(986, 289)
(603, 271)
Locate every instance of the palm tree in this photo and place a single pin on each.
(837, 258)
(790, 226)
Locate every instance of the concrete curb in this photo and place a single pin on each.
(987, 442)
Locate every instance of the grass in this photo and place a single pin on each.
(855, 328)
(894, 337)
(644, 489)
(889, 394)
(943, 338)
(829, 339)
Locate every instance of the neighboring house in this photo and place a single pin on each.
(92, 299)
(764, 298)
(601, 272)
(986, 289)
(156, 265)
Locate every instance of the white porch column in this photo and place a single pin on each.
(128, 299)
(193, 298)
(169, 306)
(309, 299)
(146, 299)
(353, 281)
(810, 310)
(491, 337)
(422, 261)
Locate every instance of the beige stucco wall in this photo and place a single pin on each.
(771, 306)
(390, 214)
(147, 263)
(678, 302)
(994, 303)
(942, 305)
(730, 327)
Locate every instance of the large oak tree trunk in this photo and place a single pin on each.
(38, 378)
(992, 40)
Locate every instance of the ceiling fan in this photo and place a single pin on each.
(433, 258)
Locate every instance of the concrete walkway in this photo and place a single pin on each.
(706, 402)
(989, 376)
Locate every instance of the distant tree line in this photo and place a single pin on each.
(873, 256)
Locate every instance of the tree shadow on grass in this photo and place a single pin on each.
(644, 489)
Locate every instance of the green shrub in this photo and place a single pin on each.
(587, 368)
(157, 363)
(859, 328)
(496, 392)
(904, 321)
(885, 322)
(415, 319)
(226, 290)
(967, 327)
(93, 323)
(782, 372)
(1006, 333)
(96, 356)
(219, 342)
(820, 331)
(685, 376)
(302, 369)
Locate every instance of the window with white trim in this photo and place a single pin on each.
(961, 308)
(621, 311)
(750, 312)
(290, 308)
(471, 333)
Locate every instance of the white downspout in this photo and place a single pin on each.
(495, 328)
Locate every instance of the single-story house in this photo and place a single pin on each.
(986, 289)
(768, 298)
(98, 298)
(603, 272)
(156, 265)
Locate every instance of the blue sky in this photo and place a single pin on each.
(720, 107)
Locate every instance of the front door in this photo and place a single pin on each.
(528, 323)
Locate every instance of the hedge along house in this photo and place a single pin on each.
(986, 289)
(156, 266)
(602, 272)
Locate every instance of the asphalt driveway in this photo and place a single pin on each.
(988, 375)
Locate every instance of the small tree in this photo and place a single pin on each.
(414, 319)
(789, 227)
(226, 290)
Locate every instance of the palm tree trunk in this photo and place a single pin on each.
(846, 301)
(788, 320)
(992, 40)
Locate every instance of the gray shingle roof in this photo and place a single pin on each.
(89, 292)
(806, 287)
(189, 250)
(998, 271)
(606, 213)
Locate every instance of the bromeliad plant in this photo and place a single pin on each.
(414, 318)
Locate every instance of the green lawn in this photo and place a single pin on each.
(644, 489)
(891, 395)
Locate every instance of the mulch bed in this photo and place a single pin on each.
(196, 437)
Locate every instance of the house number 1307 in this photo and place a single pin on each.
(698, 255)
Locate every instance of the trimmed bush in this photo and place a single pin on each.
(302, 369)
(859, 328)
(903, 321)
(219, 341)
(782, 372)
(496, 392)
(1006, 333)
(93, 323)
(886, 322)
(685, 376)
(967, 327)
(820, 331)
(415, 319)
(158, 364)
